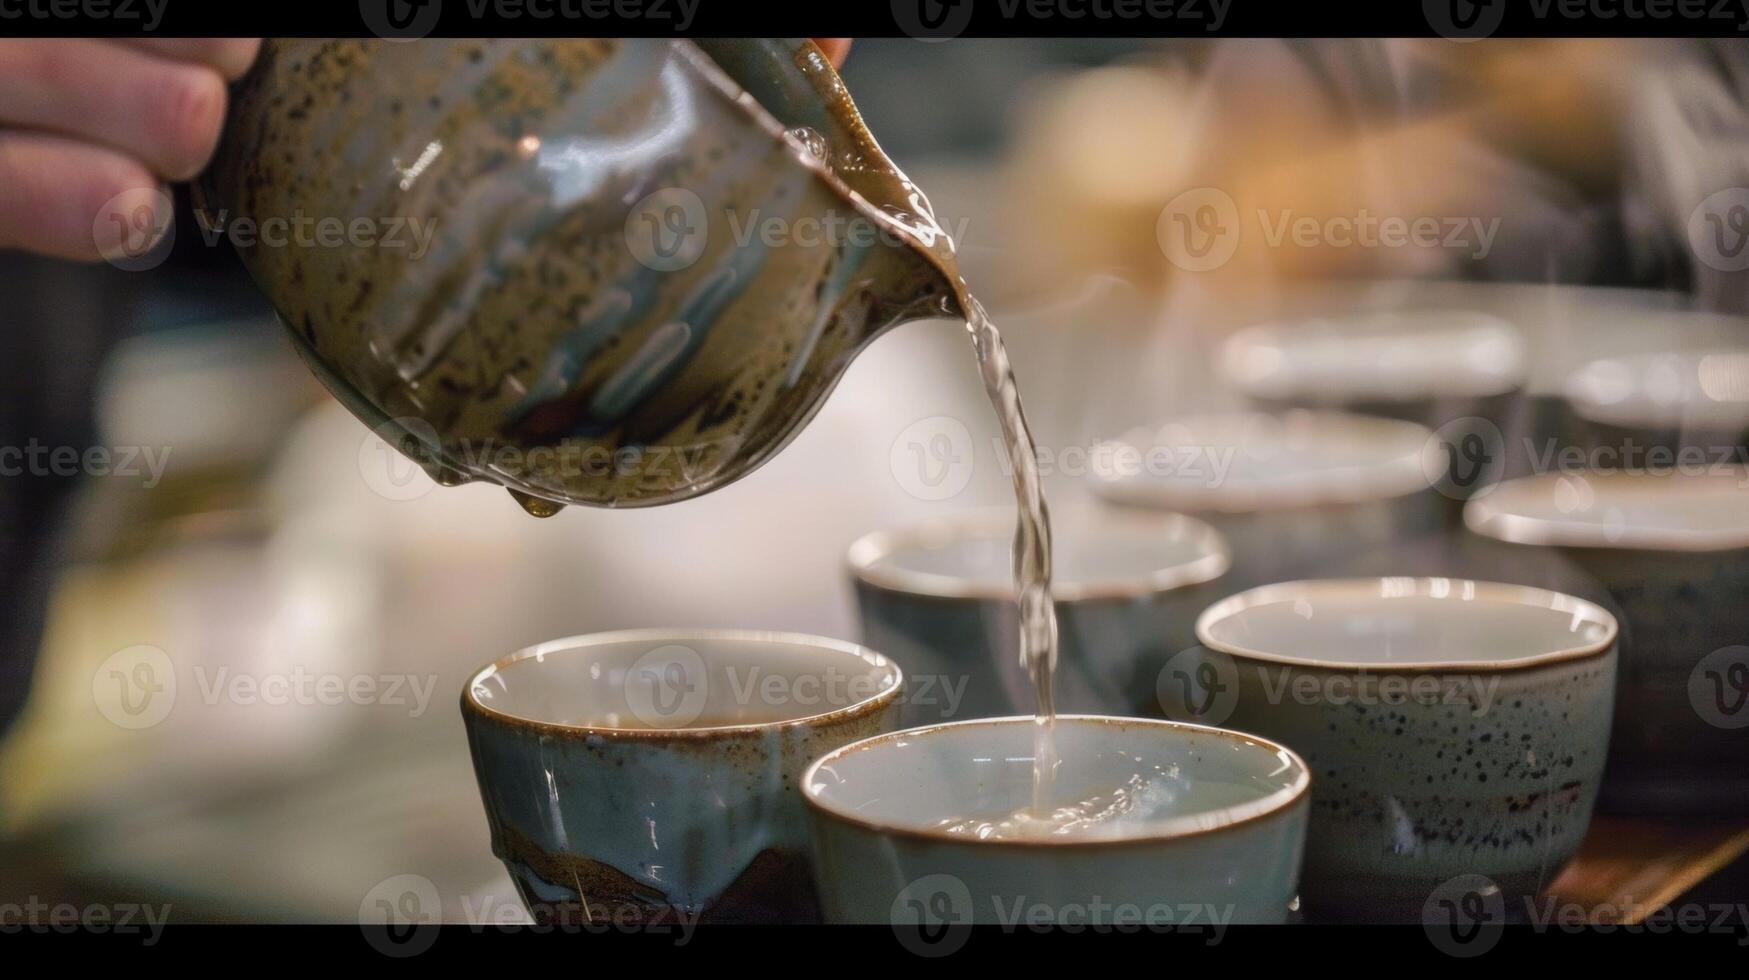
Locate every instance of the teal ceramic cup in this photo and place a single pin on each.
(1294, 493)
(650, 776)
(939, 598)
(1671, 546)
(1454, 727)
(1208, 831)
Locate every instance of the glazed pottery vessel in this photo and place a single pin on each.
(609, 271)
(939, 598)
(650, 775)
(1294, 493)
(1212, 833)
(1453, 727)
(1643, 408)
(1672, 548)
(1426, 366)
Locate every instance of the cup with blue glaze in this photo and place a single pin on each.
(1294, 493)
(1452, 726)
(650, 776)
(1178, 825)
(1671, 546)
(939, 597)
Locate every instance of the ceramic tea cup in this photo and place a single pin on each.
(650, 775)
(1454, 727)
(1205, 827)
(1662, 402)
(1293, 493)
(1671, 547)
(1425, 365)
(939, 598)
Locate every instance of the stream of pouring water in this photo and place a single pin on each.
(1032, 549)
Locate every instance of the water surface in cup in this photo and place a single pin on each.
(1120, 779)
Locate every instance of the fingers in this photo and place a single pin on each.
(229, 56)
(74, 200)
(165, 113)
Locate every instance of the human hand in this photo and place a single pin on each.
(91, 130)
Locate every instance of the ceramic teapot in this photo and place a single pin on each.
(614, 272)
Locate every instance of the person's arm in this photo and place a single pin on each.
(91, 129)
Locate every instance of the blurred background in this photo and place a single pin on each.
(313, 603)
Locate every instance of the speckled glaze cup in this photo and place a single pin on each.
(1214, 837)
(1452, 727)
(651, 775)
(939, 598)
(605, 271)
(1672, 549)
(1294, 493)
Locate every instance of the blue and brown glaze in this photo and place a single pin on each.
(529, 345)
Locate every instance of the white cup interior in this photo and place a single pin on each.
(1389, 355)
(1405, 622)
(1095, 552)
(678, 679)
(1704, 508)
(1184, 778)
(1256, 461)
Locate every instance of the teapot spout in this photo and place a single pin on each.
(917, 273)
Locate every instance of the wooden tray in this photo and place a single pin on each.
(1629, 867)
